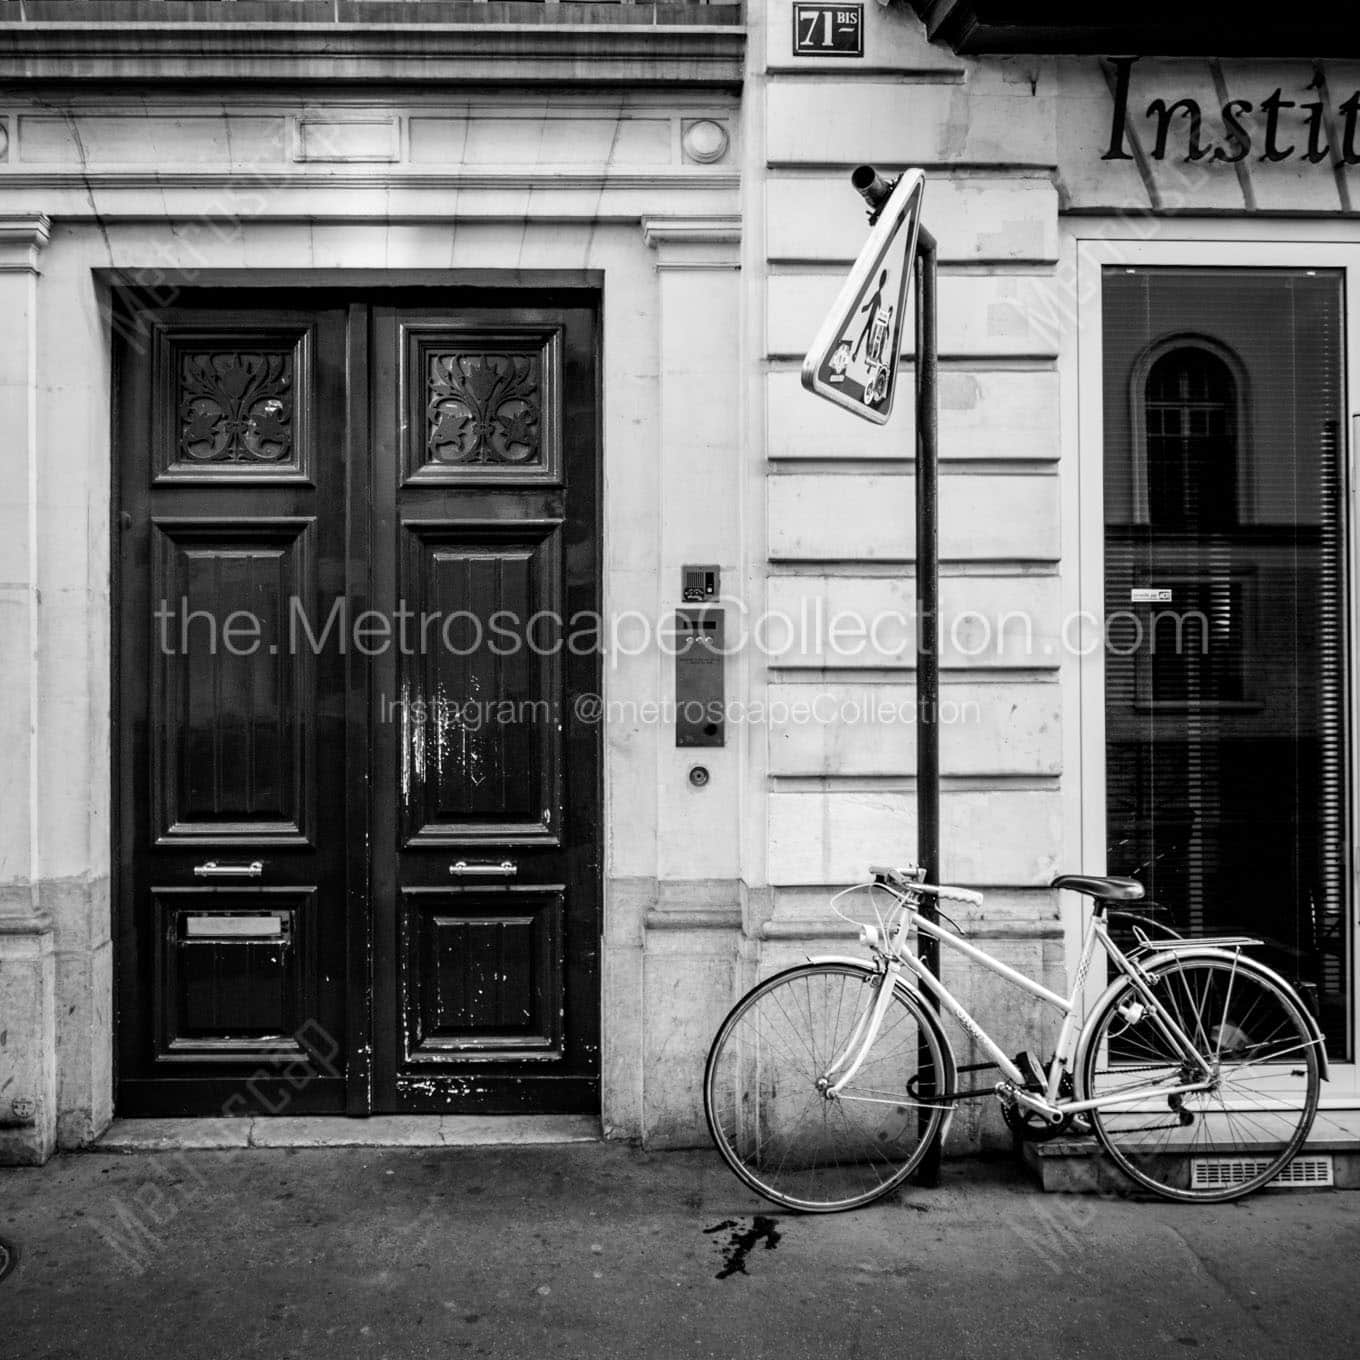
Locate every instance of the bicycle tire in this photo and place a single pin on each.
(779, 1133)
(1225, 1142)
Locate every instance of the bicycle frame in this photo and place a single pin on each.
(900, 955)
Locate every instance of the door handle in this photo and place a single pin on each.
(505, 869)
(212, 869)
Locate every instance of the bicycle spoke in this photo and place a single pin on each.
(778, 1131)
(1257, 1100)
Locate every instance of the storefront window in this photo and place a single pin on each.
(1225, 593)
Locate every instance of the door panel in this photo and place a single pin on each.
(235, 971)
(481, 748)
(231, 724)
(486, 836)
(233, 404)
(482, 973)
(484, 403)
(231, 933)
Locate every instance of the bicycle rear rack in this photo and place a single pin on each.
(1180, 945)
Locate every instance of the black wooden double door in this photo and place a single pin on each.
(358, 813)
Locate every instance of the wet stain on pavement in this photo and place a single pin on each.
(742, 1241)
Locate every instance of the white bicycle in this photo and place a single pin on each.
(1198, 1068)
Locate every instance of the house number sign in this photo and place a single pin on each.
(828, 30)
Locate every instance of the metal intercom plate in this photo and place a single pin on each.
(699, 677)
(698, 583)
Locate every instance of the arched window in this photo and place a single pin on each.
(1190, 414)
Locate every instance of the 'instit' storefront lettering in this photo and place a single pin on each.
(1301, 135)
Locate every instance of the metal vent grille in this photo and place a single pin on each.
(1208, 1173)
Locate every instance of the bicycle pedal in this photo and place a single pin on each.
(1035, 1077)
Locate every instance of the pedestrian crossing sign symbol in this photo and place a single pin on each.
(853, 360)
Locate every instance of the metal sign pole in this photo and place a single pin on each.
(853, 362)
(927, 618)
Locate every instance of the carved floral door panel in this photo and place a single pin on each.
(486, 845)
(302, 767)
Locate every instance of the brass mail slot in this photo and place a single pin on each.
(247, 927)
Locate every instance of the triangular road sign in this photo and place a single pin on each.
(853, 360)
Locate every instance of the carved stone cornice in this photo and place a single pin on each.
(694, 242)
(22, 238)
(519, 44)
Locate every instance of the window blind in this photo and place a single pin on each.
(1225, 597)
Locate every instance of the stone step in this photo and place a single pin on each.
(412, 1131)
(1079, 1166)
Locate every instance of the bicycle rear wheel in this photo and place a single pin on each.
(786, 1137)
(1238, 1135)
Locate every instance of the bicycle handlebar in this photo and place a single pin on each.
(906, 879)
(953, 894)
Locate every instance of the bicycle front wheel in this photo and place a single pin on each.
(767, 1097)
(1238, 1134)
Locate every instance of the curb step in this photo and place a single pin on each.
(1078, 1166)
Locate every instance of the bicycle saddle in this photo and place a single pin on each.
(1107, 889)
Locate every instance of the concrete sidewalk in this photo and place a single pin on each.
(602, 1251)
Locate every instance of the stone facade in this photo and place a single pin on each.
(704, 179)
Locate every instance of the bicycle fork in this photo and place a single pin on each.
(861, 1038)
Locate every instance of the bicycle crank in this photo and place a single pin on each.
(1027, 1105)
(1032, 1118)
